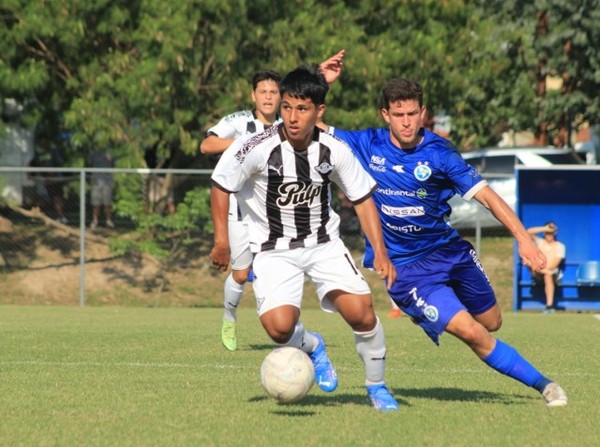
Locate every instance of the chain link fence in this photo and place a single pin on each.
(155, 237)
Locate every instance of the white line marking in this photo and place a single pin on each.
(84, 364)
(597, 316)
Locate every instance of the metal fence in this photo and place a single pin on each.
(38, 199)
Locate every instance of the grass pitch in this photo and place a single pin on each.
(132, 377)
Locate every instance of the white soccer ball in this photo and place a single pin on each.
(287, 374)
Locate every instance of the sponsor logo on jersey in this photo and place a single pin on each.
(276, 169)
(422, 171)
(324, 168)
(298, 193)
(421, 193)
(376, 159)
(398, 168)
(477, 262)
(404, 228)
(377, 163)
(259, 302)
(402, 211)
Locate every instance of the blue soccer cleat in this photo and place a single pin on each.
(381, 398)
(325, 375)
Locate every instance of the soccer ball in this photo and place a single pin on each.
(287, 374)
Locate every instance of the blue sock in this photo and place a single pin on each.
(506, 360)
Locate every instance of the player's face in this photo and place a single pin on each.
(405, 119)
(299, 118)
(266, 98)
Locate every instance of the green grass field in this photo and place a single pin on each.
(138, 376)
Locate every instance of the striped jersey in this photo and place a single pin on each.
(235, 125)
(285, 194)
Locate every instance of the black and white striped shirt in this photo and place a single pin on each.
(236, 125)
(285, 194)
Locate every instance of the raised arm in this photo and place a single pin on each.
(332, 67)
(213, 144)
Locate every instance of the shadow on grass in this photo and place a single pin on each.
(461, 395)
(262, 347)
(402, 395)
(317, 398)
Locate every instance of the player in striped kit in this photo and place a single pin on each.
(265, 95)
(282, 178)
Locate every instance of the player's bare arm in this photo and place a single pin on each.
(371, 225)
(213, 144)
(528, 250)
(332, 67)
(219, 207)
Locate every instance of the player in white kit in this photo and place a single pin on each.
(265, 95)
(282, 179)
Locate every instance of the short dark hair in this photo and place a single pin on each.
(306, 82)
(265, 75)
(400, 89)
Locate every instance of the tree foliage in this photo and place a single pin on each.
(139, 74)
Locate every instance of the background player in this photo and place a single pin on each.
(283, 177)
(440, 282)
(265, 95)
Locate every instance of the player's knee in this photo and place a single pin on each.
(363, 321)
(494, 325)
(471, 334)
(280, 337)
(240, 276)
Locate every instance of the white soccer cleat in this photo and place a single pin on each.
(555, 396)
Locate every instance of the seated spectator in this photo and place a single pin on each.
(555, 253)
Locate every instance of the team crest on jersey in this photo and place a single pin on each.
(431, 313)
(422, 171)
(324, 168)
(421, 193)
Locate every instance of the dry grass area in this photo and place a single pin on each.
(40, 265)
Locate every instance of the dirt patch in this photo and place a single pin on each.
(41, 265)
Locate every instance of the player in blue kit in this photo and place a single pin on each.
(440, 282)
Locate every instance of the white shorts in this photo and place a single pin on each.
(279, 275)
(239, 244)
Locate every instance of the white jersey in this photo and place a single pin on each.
(235, 125)
(285, 194)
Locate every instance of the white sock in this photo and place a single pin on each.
(302, 339)
(370, 347)
(232, 296)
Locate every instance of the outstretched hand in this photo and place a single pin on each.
(532, 256)
(332, 67)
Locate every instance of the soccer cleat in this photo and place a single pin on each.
(325, 375)
(381, 398)
(555, 396)
(228, 335)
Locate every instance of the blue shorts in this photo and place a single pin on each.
(433, 289)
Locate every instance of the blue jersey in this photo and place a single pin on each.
(413, 189)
